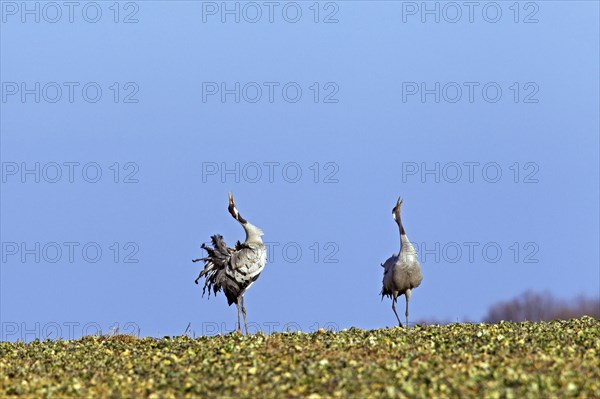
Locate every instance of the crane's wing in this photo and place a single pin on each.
(388, 268)
(246, 263)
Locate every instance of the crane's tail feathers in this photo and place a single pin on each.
(214, 264)
(385, 293)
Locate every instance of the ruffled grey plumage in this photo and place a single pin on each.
(232, 270)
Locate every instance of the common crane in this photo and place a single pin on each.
(234, 269)
(402, 272)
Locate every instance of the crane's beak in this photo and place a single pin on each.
(232, 209)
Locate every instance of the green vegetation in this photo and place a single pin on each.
(506, 360)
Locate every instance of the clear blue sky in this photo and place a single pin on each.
(367, 145)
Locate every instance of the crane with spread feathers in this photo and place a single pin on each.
(234, 270)
(402, 272)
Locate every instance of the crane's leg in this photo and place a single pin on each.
(244, 313)
(394, 298)
(407, 295)
(239, 330)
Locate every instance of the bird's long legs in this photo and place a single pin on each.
(239, 329)
(394, 309)
(407, 295)
(244, 313)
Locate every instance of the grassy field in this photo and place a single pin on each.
(506, 360)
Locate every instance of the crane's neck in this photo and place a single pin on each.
(402, 232)
(253, 233)
(405, 245)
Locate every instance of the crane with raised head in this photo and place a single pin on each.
(402, 272)
(234, 270)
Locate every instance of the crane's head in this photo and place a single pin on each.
(396, 210)
(234, 212)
